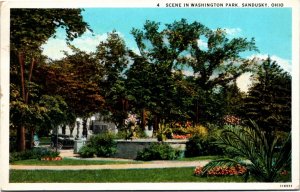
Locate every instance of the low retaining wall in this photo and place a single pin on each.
(128, 149)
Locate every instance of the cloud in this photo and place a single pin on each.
(202, 44)
(188, 72)
(244, 82)
(87, 42)
(54, 48)
(284, 63)
(136, 51)
(233, 31)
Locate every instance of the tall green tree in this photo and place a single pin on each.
(221, 62)
(29, 29)
(138, 86)
(177, 47)
(269, 99)
(161, 49)
(113, 55)
(76, 78)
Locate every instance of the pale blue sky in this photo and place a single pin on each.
(271, 27)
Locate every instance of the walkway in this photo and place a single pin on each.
(142, 165)
(146, 165)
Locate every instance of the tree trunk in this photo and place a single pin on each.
(143, 119)
(21, 131)
(31, 138)
(21, 138)
(197, 112)
(156, 124)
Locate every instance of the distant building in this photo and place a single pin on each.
(95, 125)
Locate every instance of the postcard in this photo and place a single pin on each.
(149, 95)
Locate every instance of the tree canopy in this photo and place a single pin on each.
(29, 29)
(269, 100)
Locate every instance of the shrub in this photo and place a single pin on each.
(140, 133)
(164, 132)
(198, 130)
(122, 134)
(104, 144)
(185, 133)
(264, 164)
(199, 146)
(158, 151)
(35, 153)
(87, 151)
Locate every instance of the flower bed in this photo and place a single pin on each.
(232, 120)
(284, 172)
(221, 171)
(181, 136)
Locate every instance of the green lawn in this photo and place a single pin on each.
(102, 176)
(67, 161)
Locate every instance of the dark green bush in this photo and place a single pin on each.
(104, 144)
(87, 151)
(158, 151)
(199, 146)
(35, 153)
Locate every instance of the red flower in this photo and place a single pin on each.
(284, 172)
(222, 171)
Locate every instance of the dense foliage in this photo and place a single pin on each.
(165, 52)
(269, 100)
(101, 145)
(158, 151)
(87, 151)
(29, 29)
(200, 146)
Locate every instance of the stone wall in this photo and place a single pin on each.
(128, 149)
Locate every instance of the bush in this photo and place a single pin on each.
(104, 144)
(87, 151)
(140, 133)
(158, 151)
(199, 146)
(185, 132)
(35, 153)
(198, 130)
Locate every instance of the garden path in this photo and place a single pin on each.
(142, 165)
